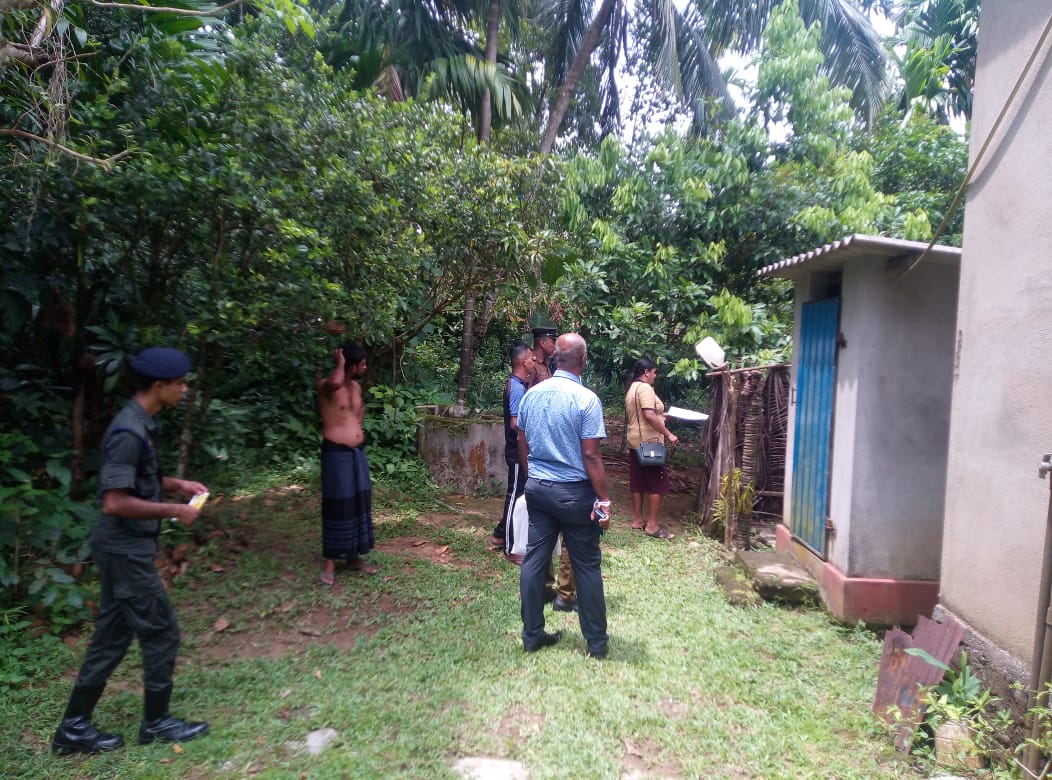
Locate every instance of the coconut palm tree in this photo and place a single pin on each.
(685, 44)
(425, 48)
(938, 62)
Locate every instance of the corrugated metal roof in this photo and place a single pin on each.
(859, 246)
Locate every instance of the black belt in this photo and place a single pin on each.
(550, 483)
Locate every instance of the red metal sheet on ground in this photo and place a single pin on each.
(903, 676)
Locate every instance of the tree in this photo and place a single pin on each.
(674, 229)
(47, 46)
(938, 63)
(686, 45)
(426, 49)
(923, 162)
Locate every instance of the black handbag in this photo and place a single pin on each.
(654, 454)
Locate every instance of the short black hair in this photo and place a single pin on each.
(141, 383)
(353, 353)
(516, 352)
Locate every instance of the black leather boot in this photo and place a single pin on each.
(75, 734)
(159, 725)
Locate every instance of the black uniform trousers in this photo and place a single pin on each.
(133, 604)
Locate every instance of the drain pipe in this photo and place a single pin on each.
(1041, 664)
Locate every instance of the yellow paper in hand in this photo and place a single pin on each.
(196, 501)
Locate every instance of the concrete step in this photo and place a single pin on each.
(772, 576)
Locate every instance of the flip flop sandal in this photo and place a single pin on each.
(327, 578)
(660, 533)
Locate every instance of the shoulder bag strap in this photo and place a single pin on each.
(639, 416)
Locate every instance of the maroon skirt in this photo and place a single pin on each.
(646, 479)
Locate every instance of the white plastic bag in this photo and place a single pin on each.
(520, 519)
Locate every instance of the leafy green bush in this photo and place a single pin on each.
(43, 531)
(960, 697)
(22, 655)
(390, 429)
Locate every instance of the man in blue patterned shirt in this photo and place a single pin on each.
(562, 426)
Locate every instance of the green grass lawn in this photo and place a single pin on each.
(422, 665)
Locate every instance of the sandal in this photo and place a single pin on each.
(660, 533)
(364, 568)
(327, 578)
(638, 527)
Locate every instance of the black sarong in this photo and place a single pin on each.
(346, 502)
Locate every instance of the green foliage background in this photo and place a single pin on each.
(270, 207)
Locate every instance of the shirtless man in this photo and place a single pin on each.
(346, 489)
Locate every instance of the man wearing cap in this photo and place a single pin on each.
(133, 601)
(543, 349)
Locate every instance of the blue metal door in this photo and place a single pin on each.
(812, 444)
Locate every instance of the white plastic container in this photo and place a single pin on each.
(711, 352)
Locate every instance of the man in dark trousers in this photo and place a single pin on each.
(544, 336)
(523, 365)
(124, 545)
(561, 426)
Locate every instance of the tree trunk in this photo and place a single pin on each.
(476, 326)
(573, 76)
(492, 36)
(466, 351)
(186, 435)
(198, 400)
(84, 373)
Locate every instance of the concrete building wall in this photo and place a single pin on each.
(1001, 421)
(899, 342)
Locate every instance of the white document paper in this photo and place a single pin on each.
(687, 415)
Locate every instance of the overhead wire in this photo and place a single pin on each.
(985, 146)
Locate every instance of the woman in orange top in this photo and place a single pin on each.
(645, 423)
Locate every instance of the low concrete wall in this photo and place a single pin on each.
(465, 455)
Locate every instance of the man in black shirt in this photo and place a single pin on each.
(133, 601)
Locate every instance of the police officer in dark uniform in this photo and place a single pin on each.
(124, 545)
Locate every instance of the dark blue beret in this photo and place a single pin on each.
(161, 363)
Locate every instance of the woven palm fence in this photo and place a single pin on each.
(743, 471)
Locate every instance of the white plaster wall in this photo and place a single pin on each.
(799, 298)
(1001, 421)
(899, 333)
(842, 486)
